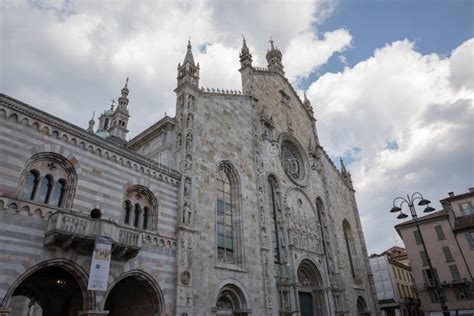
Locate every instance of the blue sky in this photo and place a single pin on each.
(436, 26)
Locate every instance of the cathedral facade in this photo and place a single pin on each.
(231, 207)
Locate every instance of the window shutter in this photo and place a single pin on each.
(439, 232)
(455, 272)
(417, 237)
(424, 258)
(447, 254)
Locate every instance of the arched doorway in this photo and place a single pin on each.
(310, 290)
(51, 291)
(362, 307)
(135, 294)
(231, 302)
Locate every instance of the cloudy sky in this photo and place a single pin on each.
(391, 81)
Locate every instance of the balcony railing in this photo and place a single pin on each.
(67, 230)
(431, 283)
(464, 222)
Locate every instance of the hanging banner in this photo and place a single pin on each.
(100, 264)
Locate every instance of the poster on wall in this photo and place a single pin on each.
(100, 264)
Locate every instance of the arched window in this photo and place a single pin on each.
(140, 208)
(146, 211)
(106, 123)
(44, 191)
(128, 209)
(136, 215)
(229, 247)
(57, 185)
(350, 246)
(225, 236)
(31, 184)
(57, 198)
(274, 208)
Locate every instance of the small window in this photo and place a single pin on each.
(455, 272)
(57, 197)
(95, 213)
(136, 215)
(30, 185)
(417, 237)
(470, 238)
(145, 217)
(463, 293)
(128, 210)
(44, 192)
(430, 275)
(447, 254)
(439, 232)
(434, 296)
(466, 209)
(424, 257)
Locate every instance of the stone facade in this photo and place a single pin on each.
(232, 207)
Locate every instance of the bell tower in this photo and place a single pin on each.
(120, 116)
(189, 71)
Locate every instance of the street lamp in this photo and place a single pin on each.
(410, 200)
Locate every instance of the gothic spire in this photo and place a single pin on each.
(306, 101)
(245, 56)
(189, 54)
(245, 49)
(346, 175)
(343, 167)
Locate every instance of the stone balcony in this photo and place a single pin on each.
(68, 230)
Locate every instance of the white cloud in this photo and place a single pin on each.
(413, 99)
(306, 52)
(79, 52)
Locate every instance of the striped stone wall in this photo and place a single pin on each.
(104, 172)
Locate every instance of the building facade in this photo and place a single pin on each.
(450, 246)
(232, 207)
(394, 283)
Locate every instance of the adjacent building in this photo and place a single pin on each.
(394, 283)
(448, 235)
(230, 207)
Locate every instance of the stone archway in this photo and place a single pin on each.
(134, 294)
(231, 302)
(310, 288)
(51, 288)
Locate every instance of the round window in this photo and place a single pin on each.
(292, 161)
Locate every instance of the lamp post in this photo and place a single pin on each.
(409, 201)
